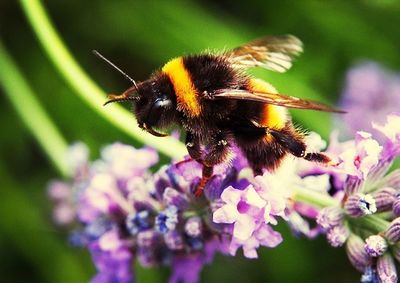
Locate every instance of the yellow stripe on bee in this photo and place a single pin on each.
(186, 93)
(273, 116)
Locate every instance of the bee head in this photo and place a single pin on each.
(156, 106)
(154, 103)
(154, 100)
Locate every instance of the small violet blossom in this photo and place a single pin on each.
(249, 214)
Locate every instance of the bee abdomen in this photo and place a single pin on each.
(271, 116)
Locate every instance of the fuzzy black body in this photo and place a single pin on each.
(213, 126)
(209, 73)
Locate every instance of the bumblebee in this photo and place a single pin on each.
(218, 105)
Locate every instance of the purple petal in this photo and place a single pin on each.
(268, 237)
(243, 227)
(226, 214)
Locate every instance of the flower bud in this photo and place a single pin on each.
(167, 219)
(337, 236)
(393, 232)
(173, 240)
(352, 185)
(330, 217)
(386, 269)
(369, 276)
(396, 206)
(375, 245)
(384, 198)
(359, 205)
(193, 227)
(147, 257)
(138, 222)
(356, 252)
(174, 198)
(148, 238)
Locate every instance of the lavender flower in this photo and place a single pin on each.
(243, 208)
(112, 257)
(369, 276)
(371, 92)
(137, 222)
(393, 232)
(386, 269)
(375, 245)
(337, 235)
(125, 212)
(360, 205)
(330, 217)
(249, 213)
(167, 219)
(356, 252)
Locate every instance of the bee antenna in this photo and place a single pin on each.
(97, 53)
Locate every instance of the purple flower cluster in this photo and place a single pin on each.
(127, 213)
(367, 194)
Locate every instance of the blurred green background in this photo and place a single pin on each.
(140, 36)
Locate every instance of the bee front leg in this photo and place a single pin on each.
(193, 146)
(207, 173)
(217, 151)
(192, 143)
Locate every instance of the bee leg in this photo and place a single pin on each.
(257, 170)
(206, 175)
(217, 151)
(296, 146)
(318, 157)
(193, 146)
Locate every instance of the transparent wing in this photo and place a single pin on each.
(274, 53)
(272, 98)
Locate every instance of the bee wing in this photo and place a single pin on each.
(273, 98)
(274, 53)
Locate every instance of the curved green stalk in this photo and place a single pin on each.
(371, 222)
(313, 198)
(374, 223)
(85, 87)
(31, 112)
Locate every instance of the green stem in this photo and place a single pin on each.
(85, 87)
(313, 198)
(372, 222)
(31, 112)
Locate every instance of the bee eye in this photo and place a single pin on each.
(156, 110)
(162, 103)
